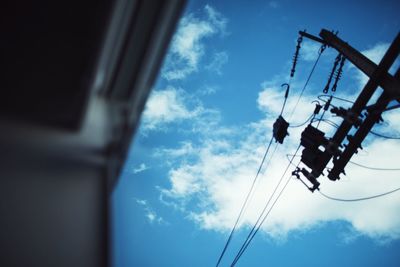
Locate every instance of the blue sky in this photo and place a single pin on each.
(207, 124)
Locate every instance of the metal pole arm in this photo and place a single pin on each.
(390, 84)
(312, 37)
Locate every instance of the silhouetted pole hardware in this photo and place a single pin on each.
(312, 138)
(280, 129)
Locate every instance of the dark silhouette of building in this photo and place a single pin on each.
(74, 81)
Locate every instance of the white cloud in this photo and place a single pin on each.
(150, 214)
(216, 18)
(207, 90)
(375, 54)
(209, 177)
(221, 169)
(270, 100)
(174, 106)
(186, 149)
(167, 106)
(142, 167)
(218, 61)
(187, 46)
(309, 50)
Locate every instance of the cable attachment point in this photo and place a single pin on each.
(348, 115)
(296, 55)
(287, 89)
(296, 173)
(317, 108)
(328, 103)
(333, 148)
(328, 84)
(280, 129)
(351, 140)
(286, 96)
(310, 178)
(380, 119)
(338, 73)
(333, 176)
(322, 49)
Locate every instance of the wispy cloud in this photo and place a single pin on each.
(173, 106)
(375, 54)
(219, 59)
(185, 149)
(207, 90)
(187, 45)
(142, 167)
(309, 50)
(167, 106)
(150, 214)
(216, 171)
(217, 19)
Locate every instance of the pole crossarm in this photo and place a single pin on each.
(378, 76)
(389, 83)
(312, 37)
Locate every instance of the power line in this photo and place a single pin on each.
(283, 106)
(374, 168)
(385, 136)
(286, 96)
(269, 145)
(244, 204)
(322, 116)
(357, 164)
(321, 50)
(237, 258)
(331, 123)
(303, 123)
(261, 219)
(372, 132)
(320, 97)
(359, 199)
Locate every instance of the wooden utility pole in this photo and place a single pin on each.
(378, 76)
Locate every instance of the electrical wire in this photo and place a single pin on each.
(244, 204)
(358, 164)
(374, 168)
(336, 125)
(323, 113)
(385, 136)
(286, 95)
(262, 162)
(358, 199)
(372, 132)
(263, 216)
(252, 186)
(237, 258)
(328, 122)
(302, 124)
(307, 81)
(291, 163)
(320, 97)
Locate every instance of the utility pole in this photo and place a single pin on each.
(378, 76)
